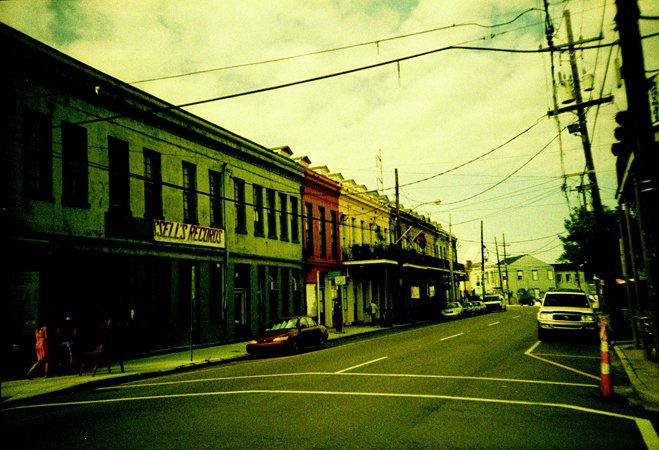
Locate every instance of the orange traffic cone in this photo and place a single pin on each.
(605, 383)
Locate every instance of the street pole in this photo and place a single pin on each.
(451, 293)
(581, 114)
(505, 264)
(498, 263)
(482, 262)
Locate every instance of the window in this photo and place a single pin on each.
(363, 232)
(559, 277)
(215, 182)
(259, 224)
(567, 277)
(119, 175)
(534, 275)
(283, 216)
(520, 275)
(272, 214)
(294, 220)
(550, 275)
(75, 166)
(354, 230)
(189, 193)
(152, 185)
(239, 198)
(37, 156)
(322, 234)
(333, 240)
(308, 230)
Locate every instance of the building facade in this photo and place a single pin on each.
(518, 276)
(117, 204)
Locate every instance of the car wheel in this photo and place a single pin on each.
(295, 348)
(542, 334)
(322, 342)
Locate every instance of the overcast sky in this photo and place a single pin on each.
(468, 127)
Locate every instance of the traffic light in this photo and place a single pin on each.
(622, 134)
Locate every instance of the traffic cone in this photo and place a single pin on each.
(605, 380)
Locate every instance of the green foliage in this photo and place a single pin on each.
(591, 245)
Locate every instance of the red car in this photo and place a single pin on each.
(289, 334)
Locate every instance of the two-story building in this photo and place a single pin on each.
(518, 276)
(118, 204)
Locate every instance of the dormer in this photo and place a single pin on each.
(284, 151)
(304, 161)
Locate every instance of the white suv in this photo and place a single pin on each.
(565, 310)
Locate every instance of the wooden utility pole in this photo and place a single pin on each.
(482, 261)
(498, 263)
(505, 264)
(581, 114)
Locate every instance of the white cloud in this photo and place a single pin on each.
(443, 110)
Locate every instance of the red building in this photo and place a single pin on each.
(320, 240)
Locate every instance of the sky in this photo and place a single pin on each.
(466, 126)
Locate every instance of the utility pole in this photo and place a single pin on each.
(581, 114)
(451, 293)
(498, 263)
(505, 263)
(482, 261)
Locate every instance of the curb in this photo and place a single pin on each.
(650, 400)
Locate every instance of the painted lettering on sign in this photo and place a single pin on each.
(185, 233)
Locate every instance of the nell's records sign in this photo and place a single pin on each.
(185, 233)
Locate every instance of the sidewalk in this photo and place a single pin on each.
(643, 374)
(136, 368)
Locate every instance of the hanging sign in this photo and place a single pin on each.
(187, 234)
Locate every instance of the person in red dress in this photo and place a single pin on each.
(43, 354)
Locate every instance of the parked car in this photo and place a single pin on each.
(495, 303)
(479, 307)
(530, 301)
(468, 309)
(289, 334)
(453, 310)
(565, 311)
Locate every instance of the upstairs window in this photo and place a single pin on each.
(272, 214)
(189, 193)
(75, 170)
(259, 224)
(333, 240)
(37, 156)
(241, 209)
(322, 234)
(152, 185)
(119, 175)
(216, 204)
(294, 220)
(283, 216)
(308, 229)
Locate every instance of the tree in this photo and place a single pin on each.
(592, 246)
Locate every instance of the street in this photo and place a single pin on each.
(481, 382)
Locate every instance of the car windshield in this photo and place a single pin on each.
(571, 300)
(452, 305)
(492, 299)
(282, 324)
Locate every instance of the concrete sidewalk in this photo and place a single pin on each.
(136, 368)
(643, 374)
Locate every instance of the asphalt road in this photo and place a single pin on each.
(482, 382)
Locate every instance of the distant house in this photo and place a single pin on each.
(568, 276)
(519, 276)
